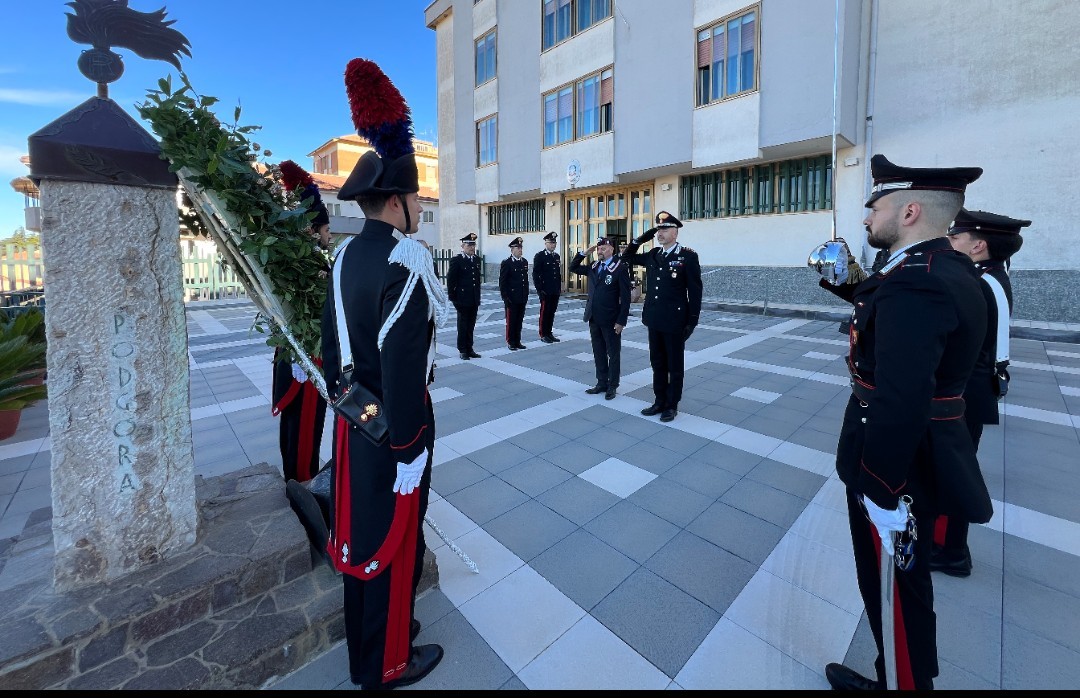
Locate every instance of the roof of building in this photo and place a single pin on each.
(423, 148)
(332, 183)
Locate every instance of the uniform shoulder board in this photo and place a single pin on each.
(893, 264)
(691, 250)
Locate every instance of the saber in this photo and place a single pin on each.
(888, 637)
(453, 546)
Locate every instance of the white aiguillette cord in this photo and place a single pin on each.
(346, 372)
(344, 345)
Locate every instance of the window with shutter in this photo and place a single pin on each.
(727, 58)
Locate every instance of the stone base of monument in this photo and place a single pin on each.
(250, 602)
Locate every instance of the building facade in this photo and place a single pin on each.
(333, 161)
(586, 117)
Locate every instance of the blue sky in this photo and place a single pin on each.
(281, 60)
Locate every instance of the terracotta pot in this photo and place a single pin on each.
(9, 423)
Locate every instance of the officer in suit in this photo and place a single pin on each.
(904, 451)
(672, 308)
(514, 288)
(606, 311)
(547, 279)
(463, 289)
(990, 240)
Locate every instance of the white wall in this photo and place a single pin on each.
(997, 88)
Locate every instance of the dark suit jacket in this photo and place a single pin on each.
(916, 329)
(673, 287)
(463, 280)
(514, 280)
(396, 374)
(547, 273)
(981, 392)
(609, 290)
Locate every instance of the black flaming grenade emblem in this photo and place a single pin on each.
(107, 23)
(371, 411)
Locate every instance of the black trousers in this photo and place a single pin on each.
(466, 324)
(367, 606)
(607, 350)
(915, 625)
(666, 351)
(955, 536)
(549, 303)
(515, 315)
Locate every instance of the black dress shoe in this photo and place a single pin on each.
(951, 562)
(520, 346)
(512, 347)
(424, 658)
(668, 414)
(547, 340)
(465, 356)
(554, 338)
(652, 409)
(843, 679)
(414, 630)
(597, 389)
(610, 394)
(472, 354)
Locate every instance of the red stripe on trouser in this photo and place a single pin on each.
(305, 467)
(540, 321)
(506, 315)
(398, 646)
(294, 388)
(905, 680)
(941, 525)
(340, 527)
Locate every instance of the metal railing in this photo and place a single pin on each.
(22, 275)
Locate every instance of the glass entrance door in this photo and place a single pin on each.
(619, 215)
(574, 241)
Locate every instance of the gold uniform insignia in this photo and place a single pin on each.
(371, 411)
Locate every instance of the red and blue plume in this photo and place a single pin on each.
(379, 112)
(293, 176)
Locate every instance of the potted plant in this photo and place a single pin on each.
(22, 366)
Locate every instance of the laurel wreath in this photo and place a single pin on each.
(269, 226)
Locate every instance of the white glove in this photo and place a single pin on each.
(298, 373)
(409, 474)
(887, 521)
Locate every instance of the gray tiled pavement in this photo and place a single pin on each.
(711, 552)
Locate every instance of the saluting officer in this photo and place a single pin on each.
(514, 288)
(547, 279)
(606, 311)
(990, 240)
(463, 289)
(672, 308)
(916, 328)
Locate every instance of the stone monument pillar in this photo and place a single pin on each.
(123, 482)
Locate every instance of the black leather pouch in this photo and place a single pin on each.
(361, 409)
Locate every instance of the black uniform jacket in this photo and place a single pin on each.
(514, 280)
(673, 298)
(547, 273)
(981, 393)
(609, 289)
(463, 280)
(363, 500)
(916, 329)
